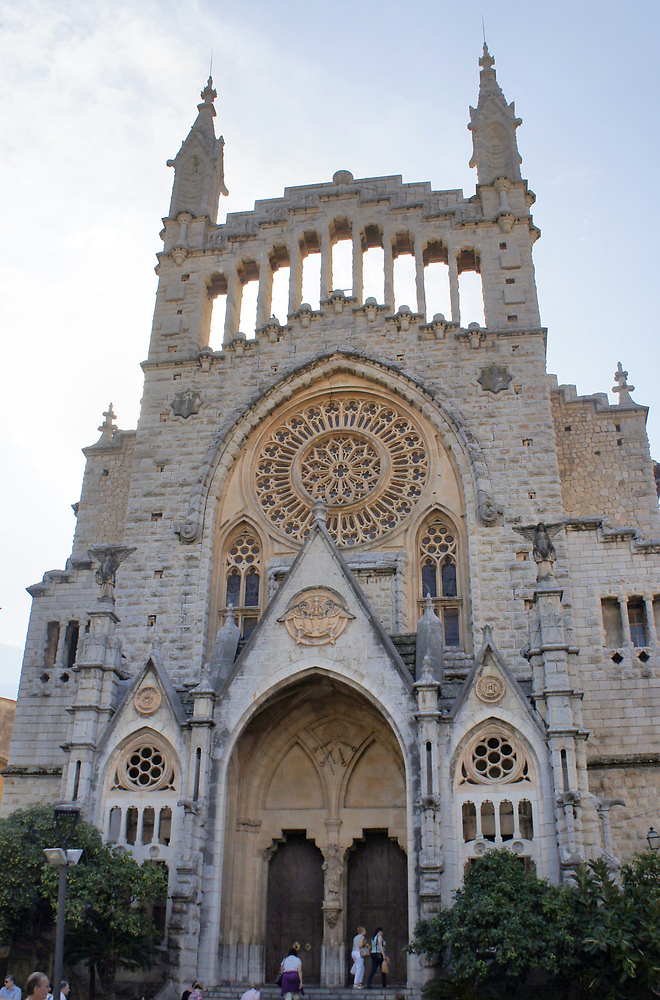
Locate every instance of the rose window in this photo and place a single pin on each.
(145, 766)
(494, 757)
(366, 459)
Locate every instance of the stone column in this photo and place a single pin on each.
(651, 631)
(453, 288)
(333, 953)
(357, 267)
(326, 265)
(388, 270)
(265, 297)
(419, 278)
(234, 298)
(625, 624)
(295, 277)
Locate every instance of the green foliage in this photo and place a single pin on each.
(109, 895)
(510, 934)
(25, 914)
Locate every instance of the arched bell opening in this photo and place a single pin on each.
(317, 772)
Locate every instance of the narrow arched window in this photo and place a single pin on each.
(241, 587)
(439, 577)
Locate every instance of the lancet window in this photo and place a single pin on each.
(241, 585)
(439, 577)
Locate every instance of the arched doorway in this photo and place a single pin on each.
(314, 769)
(377, 896)
(295, 906)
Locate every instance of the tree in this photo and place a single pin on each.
(108, 913)
(26, 914)
(505, 924)
(620, 928)
(510, 934)
(109, 895)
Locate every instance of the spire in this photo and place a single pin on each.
(199, 165)
(493, 125)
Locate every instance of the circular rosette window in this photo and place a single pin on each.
(145, 765)
(495, 757)
(366, 459)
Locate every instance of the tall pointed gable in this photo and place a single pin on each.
(199, 165)
(493, 124)
(320, 611)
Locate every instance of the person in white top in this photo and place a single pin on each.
(292, 978)
(251, 994)
(357, 954)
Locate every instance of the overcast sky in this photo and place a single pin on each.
(94, 98)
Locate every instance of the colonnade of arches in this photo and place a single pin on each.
(389, 266)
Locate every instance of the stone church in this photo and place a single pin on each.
(365, 593)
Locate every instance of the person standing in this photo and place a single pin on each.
(292, 978)
(10, 991)
(196, 991)
(357, 954)
(377, 955)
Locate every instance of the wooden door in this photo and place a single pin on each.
(378, 897)
(295, 906)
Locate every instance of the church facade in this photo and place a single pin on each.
(365, 593)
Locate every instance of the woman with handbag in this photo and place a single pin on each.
(377, 955)
(359, 951)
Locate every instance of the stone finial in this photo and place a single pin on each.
(108, 427)
(486, 61)
(429, 655)
(109, 558)
(622, 388)
(209, 94)
(320, 512)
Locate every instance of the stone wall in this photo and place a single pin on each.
(604, 461)
(101, 511)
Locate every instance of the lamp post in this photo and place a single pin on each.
(66, 818)
(653, 839)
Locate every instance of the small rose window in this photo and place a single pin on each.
(494, 757)
(145, 766)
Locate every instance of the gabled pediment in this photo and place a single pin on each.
(319, 611)
(491, 686)
(150, 700)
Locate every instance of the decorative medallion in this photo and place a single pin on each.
(495, 378)
(317, 617)
(186, 403)
(147, 700)
(366, 459)
(490, 688)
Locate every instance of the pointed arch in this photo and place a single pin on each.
(441, 573)
(240, 579)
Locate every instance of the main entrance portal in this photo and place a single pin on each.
(378, 897)
(314, 772)
(295, 906)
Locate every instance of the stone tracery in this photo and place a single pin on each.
(364, 457)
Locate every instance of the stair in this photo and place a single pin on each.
(313, 992)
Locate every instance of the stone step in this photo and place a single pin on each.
(314, 992)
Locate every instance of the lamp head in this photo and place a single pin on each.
(66, 819)
(653, 839)
(55, 856)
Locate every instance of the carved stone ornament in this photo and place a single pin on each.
(495, 378)
(147, 700)
(109, 558)
(186, 403)
(490, 688)
(332, 914)
(316, 617)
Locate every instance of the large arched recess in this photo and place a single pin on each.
(200, 527)
(313, 769)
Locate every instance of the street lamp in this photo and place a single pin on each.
(66, 818)
(653, 839)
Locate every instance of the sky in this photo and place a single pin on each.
(95, 98)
